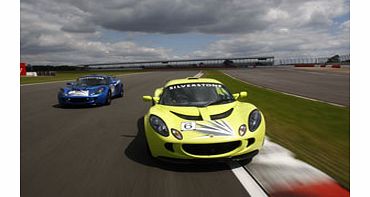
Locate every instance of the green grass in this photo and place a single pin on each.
(316, 132)
(70, 75)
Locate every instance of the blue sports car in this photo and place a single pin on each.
(91, 90)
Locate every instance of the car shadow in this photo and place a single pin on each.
(75, 106)
(137, 151)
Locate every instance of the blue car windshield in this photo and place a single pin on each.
(91, 81)
(196, 94)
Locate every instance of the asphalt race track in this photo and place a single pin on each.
(324, 86)
(100, 151)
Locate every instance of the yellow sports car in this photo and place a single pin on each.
(198, 118)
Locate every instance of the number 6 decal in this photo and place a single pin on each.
(186, 126)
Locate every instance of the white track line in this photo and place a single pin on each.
(200, 74)
(249, 184)
(30, 84)
(286, 93)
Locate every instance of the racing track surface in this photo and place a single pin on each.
(324, 86)
(100, 151)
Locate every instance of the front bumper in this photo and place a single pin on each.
(246, 156)
(82, 100)
(219, 147)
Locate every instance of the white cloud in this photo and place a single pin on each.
(70, 31)
(279, 43)
(53, 33)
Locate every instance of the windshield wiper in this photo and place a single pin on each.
(219, 101)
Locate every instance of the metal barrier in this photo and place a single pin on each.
(337, 59)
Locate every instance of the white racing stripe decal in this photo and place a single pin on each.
(221, 124)
(303, 97)
(246, 180)
(218, 128)
(227, 125)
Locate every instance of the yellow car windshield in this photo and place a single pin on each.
(195, 94)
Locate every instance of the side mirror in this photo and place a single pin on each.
(147, 98)
(154, 100)
(240, 95)
(243, 95)
(69, 83)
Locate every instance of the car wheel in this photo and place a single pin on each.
(121, 93)
(147, 149)
(109, 98)
(245, 161)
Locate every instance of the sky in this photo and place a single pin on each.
(60, 32)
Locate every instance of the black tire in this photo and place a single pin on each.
(150, 157)
(121, 93)
(147, 148)
(149, 153)
(109, 98)
(245, 161)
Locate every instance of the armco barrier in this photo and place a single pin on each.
(31, 74)
(304, 65)
(335, 66)
(46, 73)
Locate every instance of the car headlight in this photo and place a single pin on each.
(242, 130)
(61, 91)
(254, 120)
(177, 134)
(99, 91)
(158, 125)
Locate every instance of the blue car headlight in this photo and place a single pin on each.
(98, 91)
(158, 125)
(61, 92)
(254, 120)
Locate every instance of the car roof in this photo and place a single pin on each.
(96, 75)
(191, 80)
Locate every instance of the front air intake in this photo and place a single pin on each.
(187, 117)
(222, 115)
(210, 149)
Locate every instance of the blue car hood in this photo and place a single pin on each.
(80, 88)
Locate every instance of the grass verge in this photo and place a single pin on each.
(70, 75)
(316, 132)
